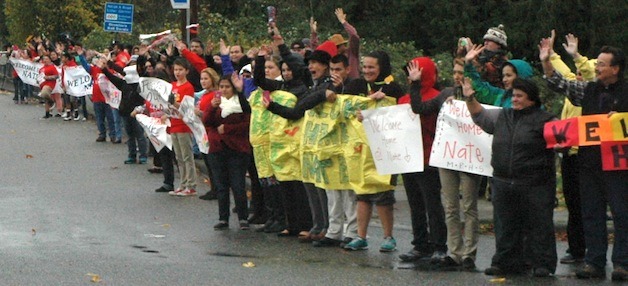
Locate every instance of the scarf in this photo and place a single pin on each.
(229, 106)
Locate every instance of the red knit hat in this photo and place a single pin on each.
(329, 47)
(324, 52)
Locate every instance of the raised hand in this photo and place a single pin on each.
(180, 46)
(224, 49)
(313, 25)
(209, 47)
(551, 40)
(572, 45)
(414, 71)
(330, 96)
(340, 14)
(237, 81)
(472, 52)
(544, 49)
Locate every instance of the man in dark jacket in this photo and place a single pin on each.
(607, 95)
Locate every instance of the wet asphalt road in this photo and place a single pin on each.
(71, 211)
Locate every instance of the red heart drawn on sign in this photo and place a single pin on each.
(358, 149)
(292, 132)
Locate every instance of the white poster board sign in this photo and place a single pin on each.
(156, 131)
(460, 144)
(156, 91)
(27, 71)
(112, 94)
(394, 135)
(186, 110)
(77, 81)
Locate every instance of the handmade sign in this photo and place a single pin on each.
(186, 110)
(611, 133)
(156, 131)
(111, 93)
(459, 143)
(156, 91)
(27, 71)
(394, 135)
(77, 81)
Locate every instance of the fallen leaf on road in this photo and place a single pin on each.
(95, 277)
(248, 264)
(498, 280)
(33, 231)
(28, 156)
(114, 167)
(166, 225)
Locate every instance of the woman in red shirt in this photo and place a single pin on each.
(50, 76)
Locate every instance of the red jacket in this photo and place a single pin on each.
(236, 127)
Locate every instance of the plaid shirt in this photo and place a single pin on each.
(572, 88)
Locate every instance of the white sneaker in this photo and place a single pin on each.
(78, 117)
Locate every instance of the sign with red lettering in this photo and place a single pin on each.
(460, 144)
(394, 135)
(614, 155)
(562, 132)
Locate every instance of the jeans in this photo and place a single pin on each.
(18, 86)
(524, 210)
(424, 198)
(102, 112)
(599, 189)
(137, 140)
(229, 169)
(462, 239)
(117, 121)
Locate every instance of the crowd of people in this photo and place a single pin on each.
(524, 179)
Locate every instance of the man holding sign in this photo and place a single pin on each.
(599, 188)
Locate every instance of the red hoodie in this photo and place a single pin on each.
(428, 122)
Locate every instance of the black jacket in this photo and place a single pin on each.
(519, 153)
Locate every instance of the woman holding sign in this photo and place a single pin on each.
(462, 237)
(524, 180)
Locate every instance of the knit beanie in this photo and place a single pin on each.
(497, 35)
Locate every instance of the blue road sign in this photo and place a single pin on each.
(118, 17)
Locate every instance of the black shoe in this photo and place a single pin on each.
(570, 259)
(413, 255)
(493, 271)
(266, 225)
(326, 242)
(345, 241)
(46, 116)
(221, 225)
(541, 272)
(116, 141)
(257, 219)
(589, 271)
(162, 190)
(101, 139)
(468, 264)
(210, 195)
(448, 264)
(277, 226)
(619, 274)
(244, 225)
